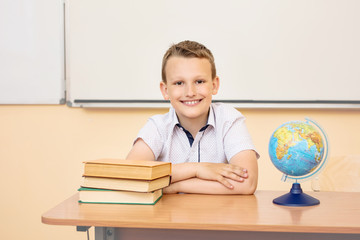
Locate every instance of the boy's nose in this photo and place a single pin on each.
(190, 90)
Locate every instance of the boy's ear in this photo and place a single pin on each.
(216, 85)
(163, 89)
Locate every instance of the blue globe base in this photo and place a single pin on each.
(296, 198)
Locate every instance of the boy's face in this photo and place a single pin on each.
(189, 87)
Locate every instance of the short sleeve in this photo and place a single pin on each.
(151, 136)
(237, 138)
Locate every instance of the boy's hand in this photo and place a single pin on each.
(221, 172)
(172, 188)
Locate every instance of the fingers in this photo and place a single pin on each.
(224, 182)
(221, 173)
(234, 172)
(234, 177)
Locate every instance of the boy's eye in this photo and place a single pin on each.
(178, 83)
(199, 81)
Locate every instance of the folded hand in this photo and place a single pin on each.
(221, 172)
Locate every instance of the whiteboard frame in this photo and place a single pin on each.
(73, 101)
(85, 103)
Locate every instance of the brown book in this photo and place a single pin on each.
(93, 195)
(130, 169)
(126, 184)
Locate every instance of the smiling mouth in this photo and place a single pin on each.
(191, 103)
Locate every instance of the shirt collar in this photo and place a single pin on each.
(211, 118)
(174, 118)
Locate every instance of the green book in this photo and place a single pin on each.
(95, 195)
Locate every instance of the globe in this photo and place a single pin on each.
(296, 148)
(299, 150)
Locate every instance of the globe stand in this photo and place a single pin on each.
(296, 198)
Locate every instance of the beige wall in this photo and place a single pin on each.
(42, 149)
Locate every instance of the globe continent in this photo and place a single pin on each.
(296, 148)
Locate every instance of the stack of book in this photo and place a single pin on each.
(124, 181)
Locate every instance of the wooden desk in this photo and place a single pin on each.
(252, 216)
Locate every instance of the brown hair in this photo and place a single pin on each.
(188, 49)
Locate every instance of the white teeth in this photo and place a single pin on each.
(191, 102)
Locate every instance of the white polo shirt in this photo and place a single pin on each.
(225, 136)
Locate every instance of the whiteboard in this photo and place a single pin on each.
(279, 52)
(32, 52)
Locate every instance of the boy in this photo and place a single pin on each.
(207, 143)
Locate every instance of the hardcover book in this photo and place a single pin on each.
(126, 184)
(93, 195)
(130, 169)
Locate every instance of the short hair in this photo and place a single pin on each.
(188, 49)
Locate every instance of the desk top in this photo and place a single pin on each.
(337, 213)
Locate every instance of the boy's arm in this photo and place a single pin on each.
(238, 177)
(247, 159)
(141, 151)
(183, 171)
(220, 172)
(200, 186)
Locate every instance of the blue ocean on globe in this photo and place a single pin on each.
(296, 148)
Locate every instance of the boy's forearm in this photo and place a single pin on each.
(182, 171)
(219, 172)
(196, 185)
